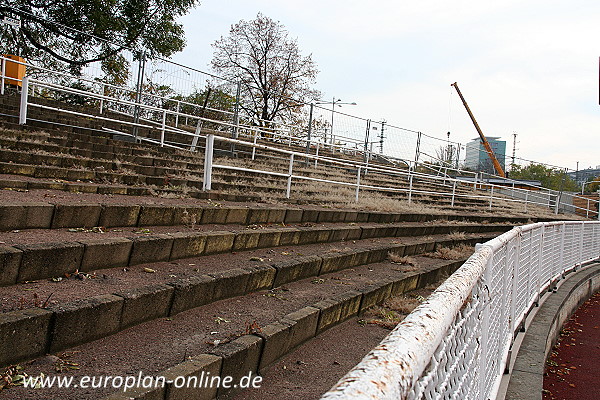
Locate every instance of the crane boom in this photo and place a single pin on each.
(486, 144)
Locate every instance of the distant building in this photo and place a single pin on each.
(476, 158)
(584, 175)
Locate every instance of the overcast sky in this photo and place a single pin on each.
(527, 67)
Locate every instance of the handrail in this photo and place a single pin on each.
(456, 343)
(549, 199)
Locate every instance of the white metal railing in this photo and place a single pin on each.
(254, 133)
(455, 345)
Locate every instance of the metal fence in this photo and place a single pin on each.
(455, 345)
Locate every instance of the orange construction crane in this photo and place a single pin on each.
(486, 144)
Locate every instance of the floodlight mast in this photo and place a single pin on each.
(486, 144)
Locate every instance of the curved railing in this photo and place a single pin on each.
(455, 345)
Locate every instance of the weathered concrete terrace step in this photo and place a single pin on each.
(99, 165)
(303, 318)
(25, 215)
(101, 310)
(101, 148)
(26, 183)
(167, 182)
(27, 262)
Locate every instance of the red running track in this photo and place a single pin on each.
(573, 368)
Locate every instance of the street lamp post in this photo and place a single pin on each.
(333, 103)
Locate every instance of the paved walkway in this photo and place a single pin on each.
(573, 369)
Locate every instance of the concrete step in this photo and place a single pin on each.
(27, 259)
(19, 215)
(335, 297)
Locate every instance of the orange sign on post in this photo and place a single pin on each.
(14, 70)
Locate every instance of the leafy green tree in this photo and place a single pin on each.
(268, 63)
(549, 177)
(193, 104)
(74, 33)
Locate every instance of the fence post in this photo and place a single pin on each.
(3, 75)
(562, 247)
(208, 162)
(410, 186)
(162, 129)
(317, 155)
(485, 323)
(102, 92)
(177, 115)
(289, 180)
(357, 184)
(539, 266)
(556, 203)
(453, 193)
(138, 93)
(254, 145)
(526, 200)
(309, 133)
(581, 233)
(515, 247)
(491, 195)
(236, 116)
(587, 209)
(24, 98)
(418, 149)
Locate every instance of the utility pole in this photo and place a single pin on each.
(514, 148)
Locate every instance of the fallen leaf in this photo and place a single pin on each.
(149, 270)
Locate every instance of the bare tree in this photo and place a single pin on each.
(275, 78)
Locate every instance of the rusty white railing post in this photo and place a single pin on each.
(317, 155)
(526, 200)
(177, 115)
(288, 192)
(357, 184)
(539, 262)
(562, 247)
(162, 129)
(485, 323)
(23, 105)
(208, 162)
(410, 186)
(515, 248)
(453, 193)
(3, 75)
(587, 209)
(491, 195)
(102, 92)
(254, 145)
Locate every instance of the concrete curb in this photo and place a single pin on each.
(527, 376)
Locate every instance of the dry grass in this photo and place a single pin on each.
(452, 253)
(393, 311)
(398, 259)
(457, 235)
(407, 263)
